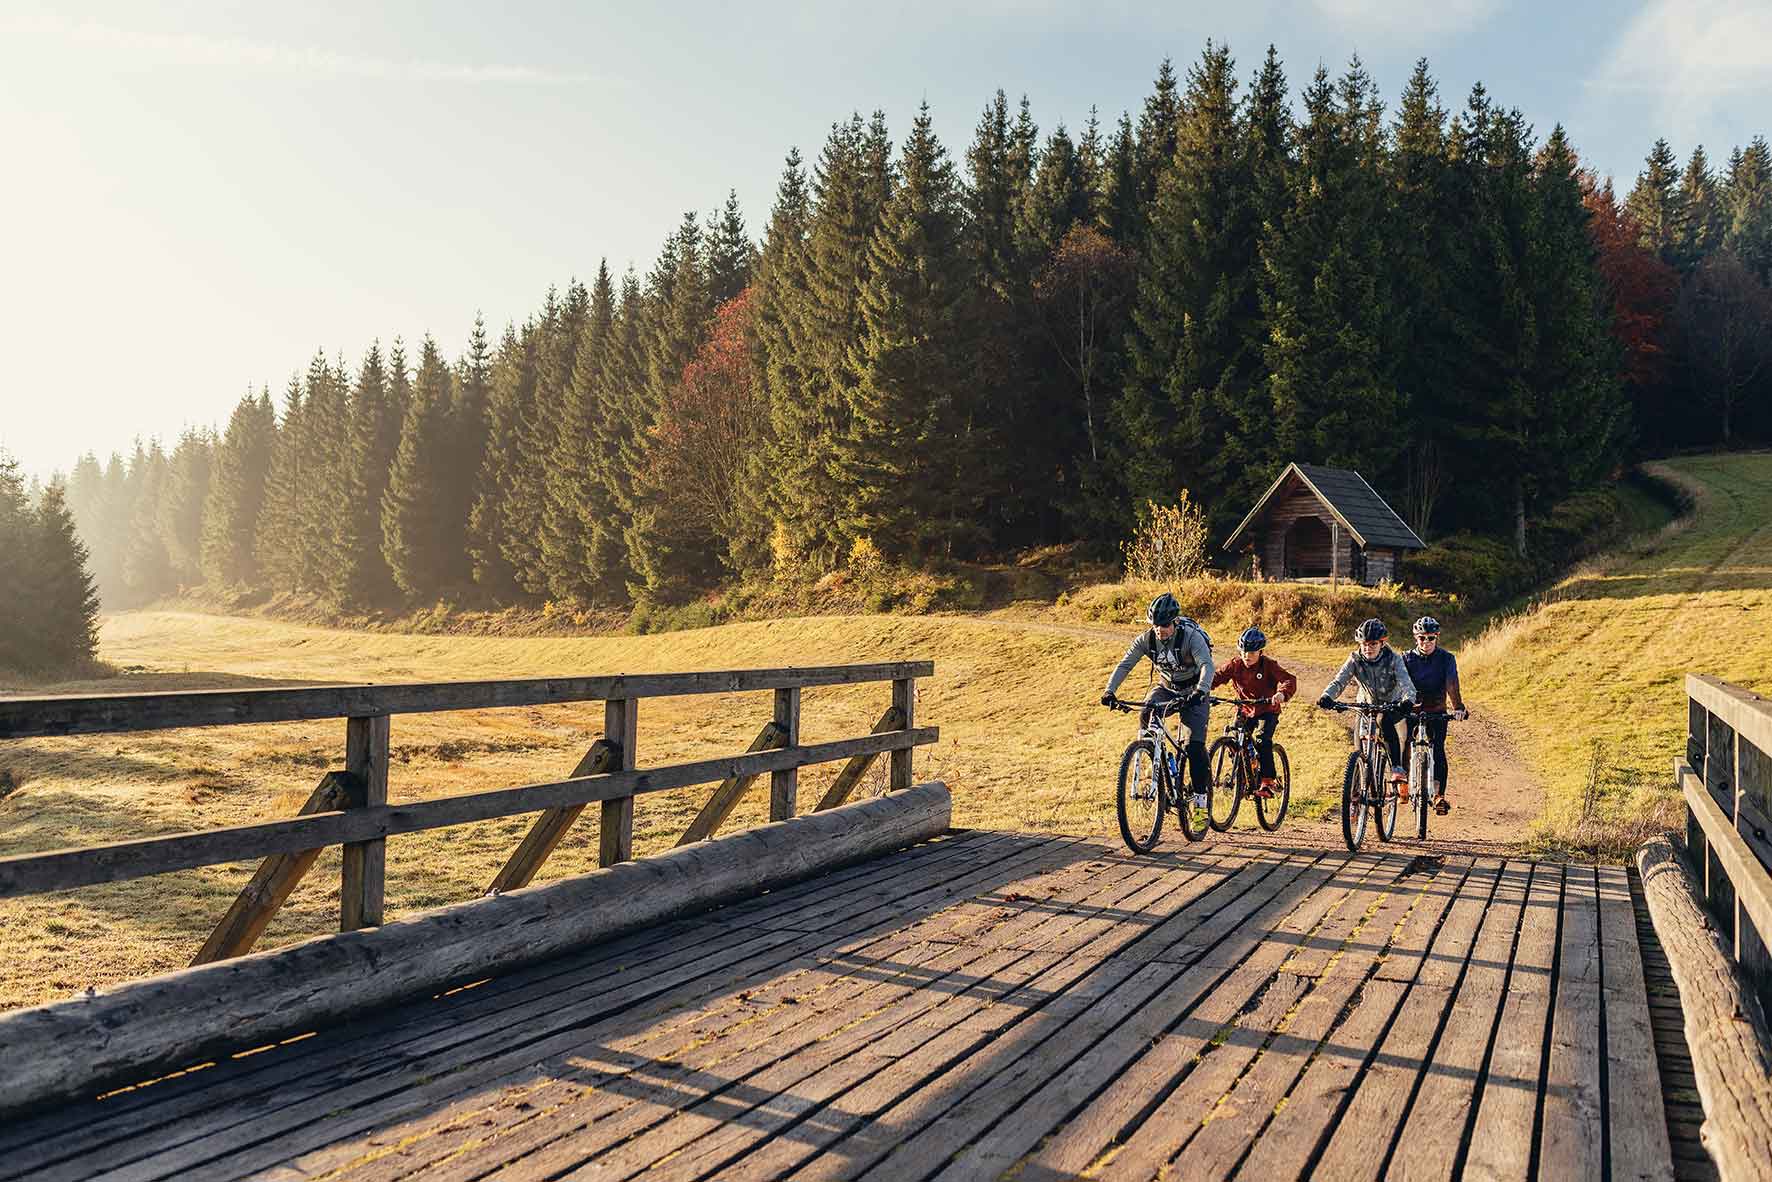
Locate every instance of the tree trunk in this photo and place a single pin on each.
(1520, 517)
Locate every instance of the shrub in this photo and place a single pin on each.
(1483, 570)
(1169, 543)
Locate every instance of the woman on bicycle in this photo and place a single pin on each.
(1383, 680)
(1257, 675)
(1435, 674)
(1183, 657)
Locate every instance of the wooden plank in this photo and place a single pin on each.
(727, 794)
(419, 1035)
(1746, 713)
(1433, 1135)
(68, 1047)
(30, 874)
(615, 824)
(904, 699)
(1367, 1125)
(1501, 1141)
(1749, 881)
(784, 785)
(42, 716)
(1572, 1142)
(1635, 1117)
(270, 886)
(1725, 1028)
(550, 828)
(363, 881)
(420, 1081)
(856, 768)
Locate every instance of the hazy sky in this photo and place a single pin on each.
(196, 196)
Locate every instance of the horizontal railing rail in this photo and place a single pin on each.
(1726, 779)
(350, 806)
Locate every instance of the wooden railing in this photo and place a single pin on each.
(350, 806)
(1726, 777)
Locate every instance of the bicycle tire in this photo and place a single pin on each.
(1419, 763)
(1271, 811)
(1225, 760)
(1388, 805)
(1130, 820)
(1353, 802)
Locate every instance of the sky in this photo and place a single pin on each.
(195, 197)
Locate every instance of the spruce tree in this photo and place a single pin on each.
(18, 540)
(472, 394)
(573, 501)
(1120, 208)
(63, 599)
(1058, 199)
(1748, 203)
(1154, 146)
(237, 494)
(373, 440)
(1655, 203)
(181, 510)
(423, 545)
(328, 500)
(619, 379)
(731, 254)
(147, 567)
(490, 518)
(281, 561)
(1703, 217)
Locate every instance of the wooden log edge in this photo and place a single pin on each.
(136, 1031)
(1725, 1029)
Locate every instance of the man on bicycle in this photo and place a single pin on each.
(1183, 657)
(1257, 675)
(1384, 681)
(1435, 674)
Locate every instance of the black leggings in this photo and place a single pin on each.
(1436, 733)
(1387, 730)
(1262, 726)
(1162, 702)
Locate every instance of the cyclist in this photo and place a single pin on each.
(1257, 675)
(1435, 674)
(1383, 680)
(1183, 656)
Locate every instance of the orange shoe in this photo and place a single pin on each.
(1265, 789)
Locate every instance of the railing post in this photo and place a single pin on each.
(362, 884)
(904, 698)
(615, 830)
(784, 785)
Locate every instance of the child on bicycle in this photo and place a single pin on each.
(1183, 657)
(1434, 671)
(1257, 675)
(1384, 681)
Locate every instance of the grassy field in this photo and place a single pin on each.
(1591, 678)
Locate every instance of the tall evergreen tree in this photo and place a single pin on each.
(1154, 146)
(237, 493)
(147, 567)
(18, 530)
(1059, 198)
(731, 254)
(181, 509)
(424, 546)
(492, 518)
(618, 379)
(1748, 202)
(1120, 207)
(63, 600)
(1702, 220)
(1655, 202)
(574, 502)
(281, 561)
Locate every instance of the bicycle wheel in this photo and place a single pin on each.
(1272, 810)
(1420, 765)
(1139, 798)
(1353, 801)
(1385, 792)
(1227, 785)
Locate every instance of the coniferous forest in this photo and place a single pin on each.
(937, 353)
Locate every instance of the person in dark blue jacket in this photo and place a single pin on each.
(1435, 674)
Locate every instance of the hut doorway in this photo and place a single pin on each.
(1307, 549)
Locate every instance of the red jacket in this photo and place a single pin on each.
(1256, 681)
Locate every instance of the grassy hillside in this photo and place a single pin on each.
(1592, 677)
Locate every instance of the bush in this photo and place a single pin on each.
(1169, 543)
(1227, 606)
(1479, 569)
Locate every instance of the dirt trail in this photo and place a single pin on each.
(1495, 799)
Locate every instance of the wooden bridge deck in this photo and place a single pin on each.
(982, 1006)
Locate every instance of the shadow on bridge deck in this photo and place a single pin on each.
(977, 1006)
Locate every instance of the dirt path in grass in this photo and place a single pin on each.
(1495, 799)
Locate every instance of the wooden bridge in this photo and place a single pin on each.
(866, 992)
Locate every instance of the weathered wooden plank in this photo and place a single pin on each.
(65, 1048)
(904, 699)
(1749, 881)
(856, 768)
(1572, 1142)
(421, 1080)
(1746, 713)
(28, 874)
(784, 785)
(1501, 1142)
(550, 828)
(1431, 1138)
(363, 876)
(727, 794)
(41, 716)
(419, 1036)
(270, 885)
(1725, 1028)
(615, 824)
(1635, 1118)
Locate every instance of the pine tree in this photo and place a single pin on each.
(63, 597)
(147, 568)
(423, 545)
(374, 441)
(1120, 207)
(1058, 199)
(327, 502)
(281, 560)
(1748, 202)
(489, 519)
(237, 494)
(525, 498)
(1655, 202)
(1703, 217)
(731, 254)
(1154, 146)
(18, 539)
(472, 393)
(181, 510)
(574, 503)
(619, 379)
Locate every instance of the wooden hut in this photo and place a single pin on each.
(1318, 523)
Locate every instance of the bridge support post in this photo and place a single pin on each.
(615, 830)
(784, 786)
(904, 700)
(363, 882)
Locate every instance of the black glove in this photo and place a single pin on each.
(1108, 701)
(1325, 703)
(1193, 699)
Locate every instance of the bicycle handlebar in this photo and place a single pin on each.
(1239, 701)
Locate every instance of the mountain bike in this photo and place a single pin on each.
(1236, 772)
(1366, 786)
(1421, 766)
(1150, 783)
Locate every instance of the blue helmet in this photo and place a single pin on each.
(1427, 626)
(1164, 610)
(1252, 641)
(1372, 629)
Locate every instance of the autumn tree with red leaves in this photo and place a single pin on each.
(1643, 290)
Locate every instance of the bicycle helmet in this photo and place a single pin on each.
(1427, 626)
(1252, 641)
(1372, 629)
(1163, 610)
